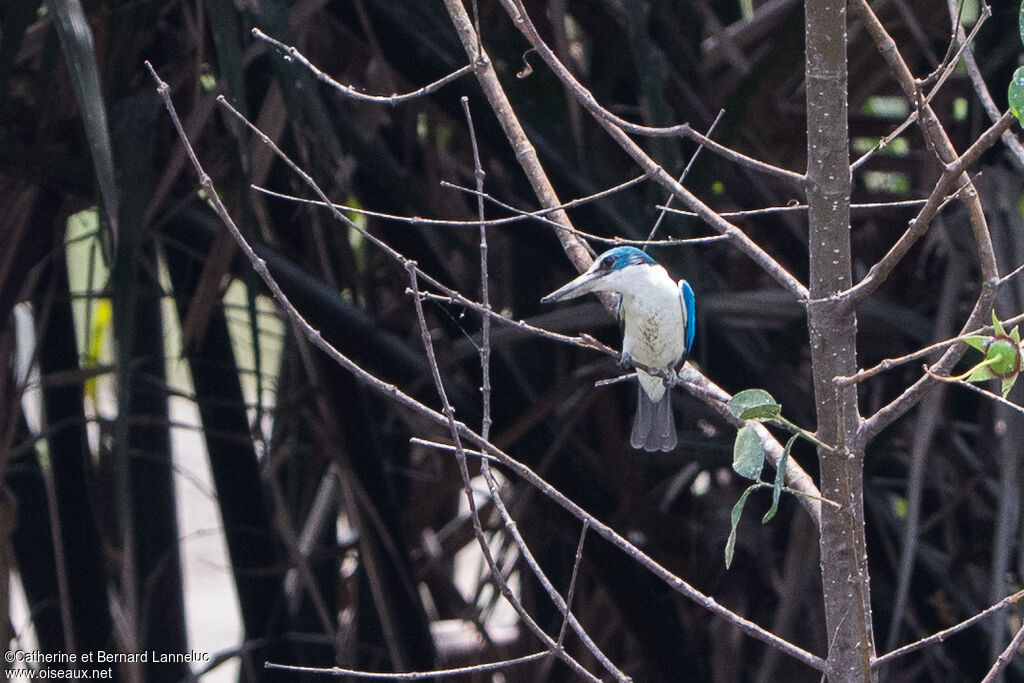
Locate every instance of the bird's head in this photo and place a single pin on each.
(610, 272)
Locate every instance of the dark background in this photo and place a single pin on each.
(70, 502)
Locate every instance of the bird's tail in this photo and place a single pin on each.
(654, 428)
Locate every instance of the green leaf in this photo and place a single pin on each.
(737, 510)
(978, 341)
(1008, 383)
(1015, 93)
(998, 326)
(754, 404)
(1020, 22)
(748, 454)
(982, 373)
(780, 480)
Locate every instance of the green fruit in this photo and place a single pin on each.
(1004, 356)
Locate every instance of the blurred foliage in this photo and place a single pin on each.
(343, 538)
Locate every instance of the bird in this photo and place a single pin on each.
(658, 316)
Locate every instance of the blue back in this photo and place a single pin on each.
(690, 309)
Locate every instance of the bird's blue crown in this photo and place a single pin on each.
(620, 257)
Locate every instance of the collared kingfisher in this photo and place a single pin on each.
(658, 316)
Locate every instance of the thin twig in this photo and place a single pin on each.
(979, 390)
(797, 208)
(1005, 657)
(485, 300)
(981, 88)
(418, 221)
(572, 582)
(448, 448)
(616, 130)
(520, 215)
(945, 71)
(519, 16)
(941, 636)
(485, 470)
(954, 170)
(586, 235)
(349, 91)
(449, 412)
(682, 177)
(524, 150)
(411, 675)
(885, 141)
(395, 394)
(890, 363)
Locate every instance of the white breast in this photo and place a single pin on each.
(654, 325)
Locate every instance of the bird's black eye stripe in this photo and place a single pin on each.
(607, 262)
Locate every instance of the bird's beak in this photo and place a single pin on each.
(585, 283)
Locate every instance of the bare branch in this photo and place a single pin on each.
(577, 560)
(485, 299)
(682, 177)
(1005, 657)
(589, 236)
(944, 72)
(940, 142)
(941, 636)
(800, 208)
(525, 153)
(350, 91)
(978, 390)
(521, 214)
(910, 397)
(980, 87)
(954, 171)
(562, 605)
(485, 470)
(440, 419)
(617, 133)
(518, 14)
(890, 363)
(412, 675)
(989, 269)
(884, 142)
(460, 456)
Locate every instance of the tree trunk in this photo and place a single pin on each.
(833, 329)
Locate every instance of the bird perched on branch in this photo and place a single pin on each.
(658, 328)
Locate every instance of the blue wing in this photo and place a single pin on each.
(689, 313)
